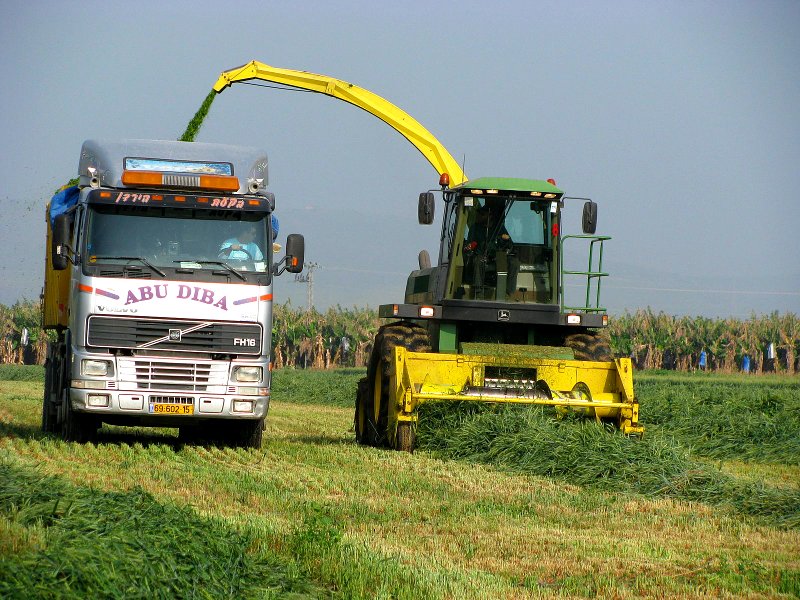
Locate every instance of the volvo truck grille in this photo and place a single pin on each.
(183, 336)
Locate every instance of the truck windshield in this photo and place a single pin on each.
(506, 252)
(162, 238)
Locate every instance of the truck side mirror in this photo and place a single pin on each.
(60, 249)
(589, 217)
(295, 252)
(426, 209)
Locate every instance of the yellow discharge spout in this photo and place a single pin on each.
(422, 139)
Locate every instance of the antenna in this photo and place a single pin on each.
(308, 279)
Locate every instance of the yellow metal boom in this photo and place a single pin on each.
(422, 139)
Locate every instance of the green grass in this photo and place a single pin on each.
(729, 418)
(68, 541)
(555, 509)
(21, 373)
(533, 442)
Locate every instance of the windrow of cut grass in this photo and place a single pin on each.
(738, 418)
(533, 441)
(59, 540)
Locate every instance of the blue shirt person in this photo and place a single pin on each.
(242, 246)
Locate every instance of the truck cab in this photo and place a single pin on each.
(158, 286)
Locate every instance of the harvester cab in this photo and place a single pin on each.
(490, 321)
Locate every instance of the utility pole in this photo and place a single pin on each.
(308, 279)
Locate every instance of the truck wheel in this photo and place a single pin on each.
(49, 411)
(77, 427)
(589, 345)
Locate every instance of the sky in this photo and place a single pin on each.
(679, 118)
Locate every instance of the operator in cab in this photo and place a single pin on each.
(242, 246)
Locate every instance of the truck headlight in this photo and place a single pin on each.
(97, 368)
(247, 374)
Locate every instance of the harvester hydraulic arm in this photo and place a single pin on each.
(422, 139)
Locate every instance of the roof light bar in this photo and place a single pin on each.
(220, 183)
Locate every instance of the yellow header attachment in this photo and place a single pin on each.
(422, 139)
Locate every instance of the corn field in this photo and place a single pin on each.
(660, 341)
(342, 337)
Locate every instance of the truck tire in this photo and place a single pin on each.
(76, 427)
(589, 345)
(402, 333)
(49, 410)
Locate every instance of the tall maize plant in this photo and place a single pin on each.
(337, 337)
(661, 341)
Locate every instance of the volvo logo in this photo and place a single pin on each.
(174, 335)
(503, 315)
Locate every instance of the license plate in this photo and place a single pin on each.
(172, 409)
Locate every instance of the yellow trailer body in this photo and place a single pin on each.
(55, 296)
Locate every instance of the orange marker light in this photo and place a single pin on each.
(218, 183)
(223, 183)
(444, 180)
(133, 178)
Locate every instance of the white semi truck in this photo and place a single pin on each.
(158, 288)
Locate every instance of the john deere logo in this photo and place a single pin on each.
(503, 315)
(174, 335)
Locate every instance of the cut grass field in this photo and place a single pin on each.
(494, 504)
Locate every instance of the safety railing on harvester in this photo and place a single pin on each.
(591, 274)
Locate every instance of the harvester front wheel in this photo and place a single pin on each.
(375, 392)
(363, 407)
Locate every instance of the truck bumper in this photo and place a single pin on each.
(166, 408)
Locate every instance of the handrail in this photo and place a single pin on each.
(591, 273)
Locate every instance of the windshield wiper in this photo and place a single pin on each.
(139, 258)
(221, 264)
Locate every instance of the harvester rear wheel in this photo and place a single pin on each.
(589, 345)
